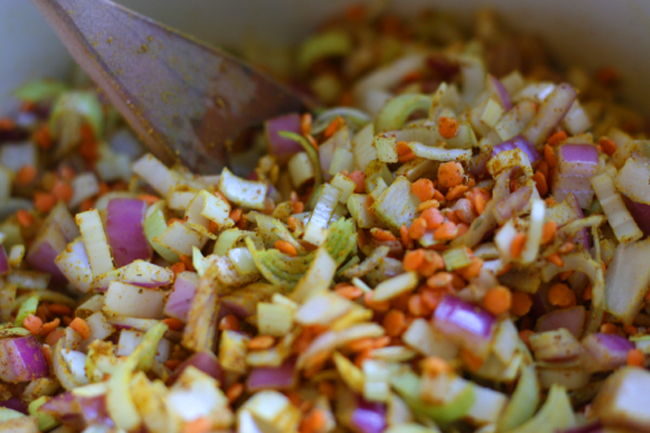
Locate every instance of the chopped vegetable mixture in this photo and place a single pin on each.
(457, 244)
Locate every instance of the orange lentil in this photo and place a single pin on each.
(431, 298)
(540, 183)
(450, 174)
(439, 280)
(413, 259)
(418, 228)
(148, 198)
(236, 214)
(234, 392)
(349, 291)
(565, 275)
(542, 167)
(25, 217)
(54, 336)
(472, 361)
(333, 127)
(428, 204)
(62, 190)
(26, 175)
(608, 146)
(43, 138)
(59, 309)
(41, 313)
(172, 364)
(462, 229)
(7, 124)
(447, 231)
(521, 303)
(315, 422)
(635, 358)
(561, 295)
(394, 322)
(229, 323)
(479, 204)
(173, 323)
(405, 238)
(557, 138)
(549, 156)
(360, 344)
(434, 365)
(548, 232)
(433, 218)
(456, 192)
(261, 342)
(297, 207)
(608, 328)
(87, 204)
(286, 248)
(555, 259)
(33, 324)
(416, 306)
(586, 295)
(498, 300)
(187, 261)
(199, 425)
(305, 123)
(631, 329)
(381, 306)
(44, 202)
(382, 235)
(447, 127)
(177, 268)
(433, 262)
(406, 157)
(50, 326)
(423, 189)
(358, 178)
(566, 247)
(80, 325)
(402, 148)
(437, 195)
(517, 245)
(473, 269)
(525, 336)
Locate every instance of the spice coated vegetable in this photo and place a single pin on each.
(457, 244)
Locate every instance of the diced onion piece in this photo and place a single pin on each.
(627, 280)
(439, 153)
(465, 323)
(362, 216)
(397, 205)
(343, 159)
(395, 286)
(362, 147)
(84, 186)
(22, 360)
(505, 340)
(627, 180)
(318, 277)
(180, 239)
(550, 114)
(492, 113)
(523, 403)
(617, 214)
(205, 208)
(316, 230)
(16, 255)
(506, 160)
(427, 340)
(125, 232)
(555, 345)
(576, 120)
(520, 143)
(572, 318)
(246, 193)
(473, 75)
(281, 146)
(622, 401)
(376, 385)
(154, 226)
(515, 121)
(92, 232)
(201, 327)
(300, 169)
(100, 328)
(135, 301)
(487, 407)
(75, 265)
(44, 249)
(605, 352)
(179, 199)
(345, 184)
(155, 173)
(386, 147)
(396, 111)
(274, 319)
(129, 340)
(534, 235)
(180, 299)
(322, 309)
(273, 412)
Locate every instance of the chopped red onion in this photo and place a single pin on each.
(520, 143)
(243, 303)
(578, 159)
(465, 323)
(22, 360)
(550, 114)
(43, 251)
(369, 417)
(14, 403)
(280, 145)
(78, 412)
(496, 88)
(207, 362)
(514, 203)
(282, 377)
(125, 231)
(179, 301)
(640, 212)
(573, 319)
(581, 237)
(4, 261)
(606, 352)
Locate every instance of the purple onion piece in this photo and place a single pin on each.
(369, 417)
(180, 299)
(578, 159)
(48, 244)
(282, 377)
(604, 352)
(514, 203)
(581, 237)
(573, 319)
(518, 142)
(640, 212)
(280, 145)
(125, 231)
(464, 322)
(496, 88)
(22, 360)
(207, 362)
(14, 403)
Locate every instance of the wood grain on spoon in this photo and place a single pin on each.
(186, 100)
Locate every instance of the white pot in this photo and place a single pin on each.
(590, 33)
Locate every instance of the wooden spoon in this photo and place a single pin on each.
(186, 100)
